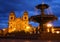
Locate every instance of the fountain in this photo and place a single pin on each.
(42, 18)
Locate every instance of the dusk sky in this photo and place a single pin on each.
(19, 6)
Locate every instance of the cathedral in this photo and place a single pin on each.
(19, 24)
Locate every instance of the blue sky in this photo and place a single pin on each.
(19, 6)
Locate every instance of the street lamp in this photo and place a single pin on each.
(4, 29)
(57, 32)
(49, 26)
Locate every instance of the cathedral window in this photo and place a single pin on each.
(25, 17)
(11, 17)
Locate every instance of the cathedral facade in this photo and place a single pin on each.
(19, 24)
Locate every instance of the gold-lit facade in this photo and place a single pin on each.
(19, 24)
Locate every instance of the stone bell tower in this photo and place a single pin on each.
(25, 19)
(11, 21)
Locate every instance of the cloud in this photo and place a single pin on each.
(20, 5)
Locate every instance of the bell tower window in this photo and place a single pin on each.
(11, 17)
(25, 17)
